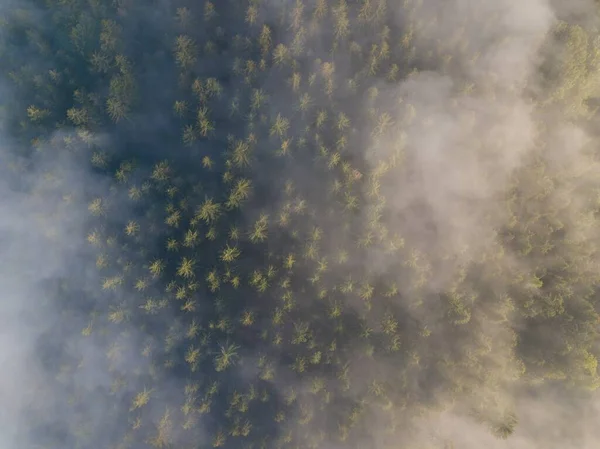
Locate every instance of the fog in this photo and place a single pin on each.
(453, 164)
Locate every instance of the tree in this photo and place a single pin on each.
(140, 399)
(132, 228)
(230, 253)
(186, 268)
(117, 109)
(342, 23)
(228, 353)
(280, 126)
(241, 154)
(259, 232)
(205, 125)
(79, 116)
(185, 52)
(239, 193)
(209, 211)
(37, 115)
(280, 54)
(506, 426)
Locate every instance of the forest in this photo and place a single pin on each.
(299, 224)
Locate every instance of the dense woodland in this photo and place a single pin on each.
(272, 252)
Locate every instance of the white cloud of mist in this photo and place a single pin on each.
(41, 244)
(473, 124)
(470, 129)
(49, 286)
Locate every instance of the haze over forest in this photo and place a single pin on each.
(303, 224)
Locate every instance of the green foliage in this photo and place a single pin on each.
(272, 244)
